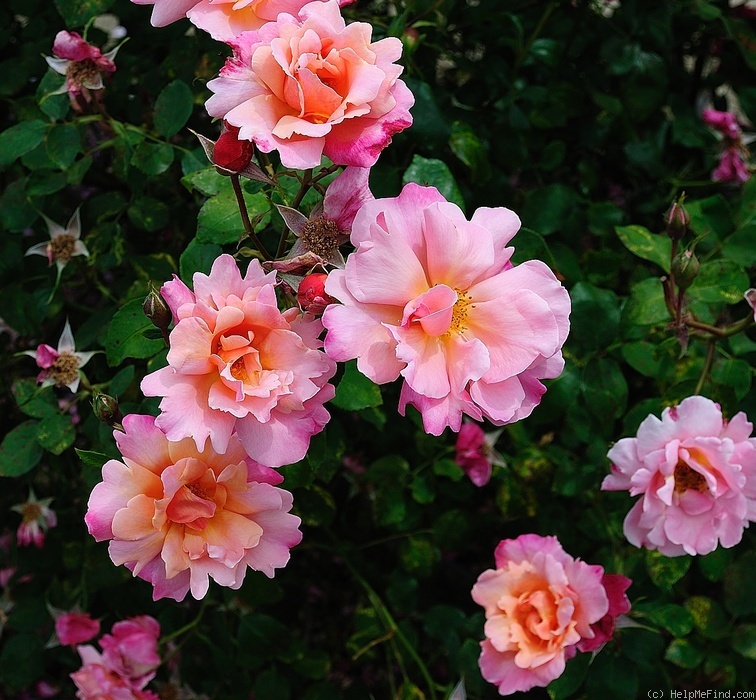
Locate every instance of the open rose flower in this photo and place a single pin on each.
(539, 603)
(131, 649)
(433, 297)
(237, 363)
(696, 475)
(619, 604)
(177, 516)
(223, 19)
(308, 85)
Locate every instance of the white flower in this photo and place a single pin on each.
(64, 243)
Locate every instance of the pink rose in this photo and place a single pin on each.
(73, 628)
(433, 297)
(309, 85)
(619, 604)
(236, 363)
(539, 603)
(732, 166)
(724, 122)
(177, 516)
(130, 650)
(223, 19)
(95, 681)
(696, 475)
(36, 519)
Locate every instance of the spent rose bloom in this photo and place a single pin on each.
(696, 475)
(733, 163)
(36, 519)
(60, 367)
(309, 85)
(619, 604)
(732, 166)
(130, 650)
(475, 453)
(539, 603)
(237, 363)
(176, 515)
(74, 628)
(320, 235)
(64, 244)
(433, 297)
(81, 63)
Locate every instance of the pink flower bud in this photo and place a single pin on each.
(311, 294)
(75, 628)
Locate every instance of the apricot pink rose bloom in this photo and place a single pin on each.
(131, 649)
(177, 516)
(695, 474)
(539, 603)
(236, 363)
(434, 298)
(309, 85)
(223, 19)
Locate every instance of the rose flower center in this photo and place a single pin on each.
(65, 369)
(688, 478)
(62, 247)
(321, 236)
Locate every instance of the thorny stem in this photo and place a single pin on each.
(711, 347)
(245, 217)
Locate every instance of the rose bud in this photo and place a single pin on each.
(230, 152)
(311, 293)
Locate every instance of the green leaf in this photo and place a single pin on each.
(656, 248)
(20, 139)
(604, 388)
(35, 401)
(173, 108)
(466, 145)
(641, 356)
(744, 641)
(55, 106)
(684, 654)
(714, 564)
(149, 214)
(20, 452)
(219, 220)
(573, 677)
(719, 281)
(356, 391)
(207, 181)
(709, 617)
(77, 13)
(646, 306)
(547, 208)
(735, 374)
(125, 336)
(738, 585)
(118, 384)
(62, 144)
(740, 248)
(676, 619)
(56, 433)
(595, 316)
(152, 158)
(434, 172)
(666, 571)
(198, 257)
(91, 458)
(21, 661)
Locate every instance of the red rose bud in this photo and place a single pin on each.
(311, 294)
(230, 152)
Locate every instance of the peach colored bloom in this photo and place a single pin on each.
(539, 603)
(434, 298)
(237, 363)
(309, 85)
(73, 628)
(223, 19)
(36, 519)
(696, 475)
(177, 516)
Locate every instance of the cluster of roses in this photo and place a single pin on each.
(126, 663)
(426, 295)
